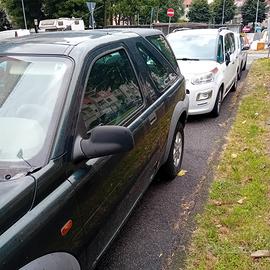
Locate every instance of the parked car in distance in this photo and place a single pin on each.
(241, 50)
(207, 59)
(246, 29)
(86, 120)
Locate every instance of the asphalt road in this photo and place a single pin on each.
(157, 233)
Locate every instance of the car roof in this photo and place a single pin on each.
(221, 31)
(61, 43)
(196, 32)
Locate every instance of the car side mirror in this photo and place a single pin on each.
(227, 58)
(245, 48)
(104, 141)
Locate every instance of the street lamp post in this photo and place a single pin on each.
(257, 10)
(25, 25)
(223, 10)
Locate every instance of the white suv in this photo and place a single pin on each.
(208, 60)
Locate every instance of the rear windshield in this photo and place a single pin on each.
(29, 91)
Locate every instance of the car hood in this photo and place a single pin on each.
(188, 68)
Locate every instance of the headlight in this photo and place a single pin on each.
(204, 77)
(204, 95)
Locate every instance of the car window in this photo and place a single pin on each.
(30, 89)
(228, 44)
(112, 91)
(162, 75)
(162, 45)
(232, 41)
(220, 52)
(242, 42)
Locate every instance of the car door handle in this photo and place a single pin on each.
(152, 118)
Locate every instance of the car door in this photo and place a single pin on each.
(237, 52)
(164, 81)
(107, 187)
(230, 72)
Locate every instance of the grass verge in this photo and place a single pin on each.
(236, 219)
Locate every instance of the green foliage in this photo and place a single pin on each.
(4, 23)
(106, 12)
(249, 11)
(68, 9)
(14, 10)
(217, 7)
(132, 11)
(199, 11)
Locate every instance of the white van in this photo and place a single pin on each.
(61, 24)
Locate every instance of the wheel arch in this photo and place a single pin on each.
(222, 87)
(54, 261)
(179, 115)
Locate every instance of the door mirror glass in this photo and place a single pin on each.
(107, 140)
(245, 47)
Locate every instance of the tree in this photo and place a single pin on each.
(249, 11)
(217, 9)
(134, 11)
(14, 10)
(4, 23)
(63, 8)
(199, 11)
(177, 5)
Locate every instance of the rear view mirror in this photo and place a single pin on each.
(107, 140)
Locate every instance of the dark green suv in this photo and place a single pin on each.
(86, 121)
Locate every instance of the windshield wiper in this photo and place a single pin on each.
(188, 59)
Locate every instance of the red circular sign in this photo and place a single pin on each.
(170, 12)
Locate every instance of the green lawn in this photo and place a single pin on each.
(236, 218)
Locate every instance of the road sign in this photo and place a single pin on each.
(91, 6)
(170, 12)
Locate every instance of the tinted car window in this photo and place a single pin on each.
(232, 41)
(162, 74)
(161, 44)
(220, 52)
(242, 42)
(112, 92)
(229, 43)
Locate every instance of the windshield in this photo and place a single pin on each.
(193, 47)
(29, 89)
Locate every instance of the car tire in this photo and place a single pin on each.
(173, 164)
(239, 75)
(234, 87)
(216, 110)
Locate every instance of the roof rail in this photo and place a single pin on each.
(223, 28)
(180, 29)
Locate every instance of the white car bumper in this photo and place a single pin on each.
(201, 106)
